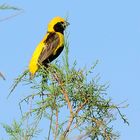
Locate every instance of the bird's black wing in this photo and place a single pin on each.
(51, 43)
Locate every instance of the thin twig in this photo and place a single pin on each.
(56, 127)
(11, 16)
(81, 106)
(64, 92)
(69, 125)
(17, 81)
(50, 124)
(1, 75)
(72, 118)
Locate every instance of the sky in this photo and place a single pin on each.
(104, 30)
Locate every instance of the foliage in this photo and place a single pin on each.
(16, 132)
(8, 7)
(62, 87)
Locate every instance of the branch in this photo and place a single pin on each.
(11, 16)
(69, 125)
(56, 125)
(81, 106)
(64, 92)
(51, 119)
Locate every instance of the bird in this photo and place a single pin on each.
(50, 46)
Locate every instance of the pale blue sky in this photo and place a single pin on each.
(107, 30)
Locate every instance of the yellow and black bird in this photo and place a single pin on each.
(50, 46)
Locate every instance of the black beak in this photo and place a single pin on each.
(66, 24)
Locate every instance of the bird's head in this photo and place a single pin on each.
(57, 24)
